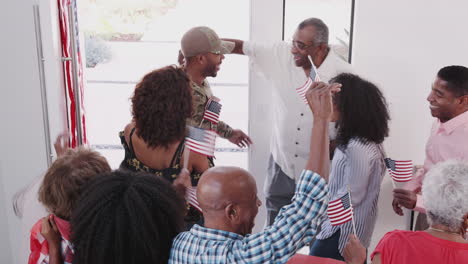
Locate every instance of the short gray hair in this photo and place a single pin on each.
(445, 192)
(320, 27)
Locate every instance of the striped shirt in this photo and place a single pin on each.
(294, 227)
(361, 167)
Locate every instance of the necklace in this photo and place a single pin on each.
(444, 231)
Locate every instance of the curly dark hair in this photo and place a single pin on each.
(160, 106)
(126, 218)
(362, 108)
(64, 180)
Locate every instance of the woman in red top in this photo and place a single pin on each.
(445, 192)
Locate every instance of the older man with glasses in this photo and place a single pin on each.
(287, 66)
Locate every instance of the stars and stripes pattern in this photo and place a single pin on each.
(191, 197)
(313, 77)
(400, 170)
(74, 95)
(340, 210)
(201, 141)
(212, 110)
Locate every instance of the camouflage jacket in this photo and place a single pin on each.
(200, 96)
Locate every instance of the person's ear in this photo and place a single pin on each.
(464, 100)
(232, 212)
(201, 59)
(197, 59)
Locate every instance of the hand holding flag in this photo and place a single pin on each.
(319, 98)
(184, 181)
(399, 170)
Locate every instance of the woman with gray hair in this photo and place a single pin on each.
(445, 194)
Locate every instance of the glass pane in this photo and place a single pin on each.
(336, 14)
(125, 39)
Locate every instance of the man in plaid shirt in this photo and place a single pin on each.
(228, 197)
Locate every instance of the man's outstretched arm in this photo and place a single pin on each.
(239, 46)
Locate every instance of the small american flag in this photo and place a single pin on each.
(340, 210)
(201, 141)
(400, 170)
(191, 197)
(212, 110)
(313, 77)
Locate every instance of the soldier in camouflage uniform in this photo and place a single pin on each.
(203, 53)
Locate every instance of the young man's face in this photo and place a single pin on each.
(213, 63)
(443, 103)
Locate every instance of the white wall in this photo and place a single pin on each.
(401, 45)
(22, 138)
(265, 26)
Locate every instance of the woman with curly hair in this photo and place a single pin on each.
(124, 217)
(154, 140)
(361, 116)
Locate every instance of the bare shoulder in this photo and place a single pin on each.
(127, 130)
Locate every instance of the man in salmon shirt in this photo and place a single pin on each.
(449, 136)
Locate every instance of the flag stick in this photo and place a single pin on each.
(186, 156)
(351, 203)
(311, 61)
(393, 182)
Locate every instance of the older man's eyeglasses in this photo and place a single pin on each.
(301, 45)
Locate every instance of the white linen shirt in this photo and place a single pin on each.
(292, 118)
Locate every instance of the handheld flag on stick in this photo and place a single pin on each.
(212, 110)
(399, 170)
(340, 210)
(201, 141)
(313, 77)
(190, 192)
(191, 197)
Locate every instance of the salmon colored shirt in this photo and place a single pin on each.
(409, 247)
(447, 141)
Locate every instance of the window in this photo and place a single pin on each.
(125, 39)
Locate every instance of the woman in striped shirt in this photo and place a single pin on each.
(361, 116)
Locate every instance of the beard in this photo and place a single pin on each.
(211, 71)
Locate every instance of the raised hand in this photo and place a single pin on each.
(61, 144)
(50, 232)
(354, 252)
(239, 138)
(319, 97)
(405, 198)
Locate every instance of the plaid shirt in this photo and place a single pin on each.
(294, 227)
